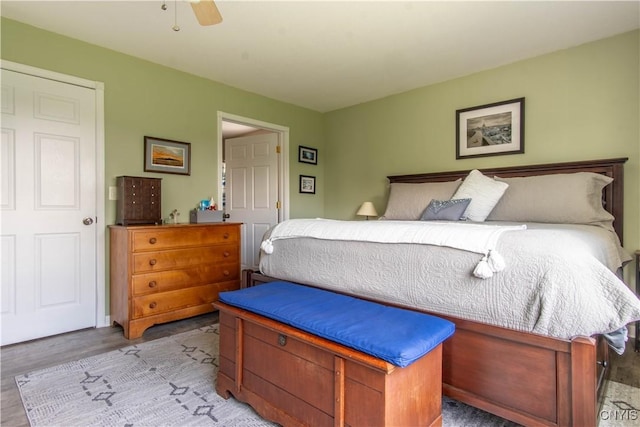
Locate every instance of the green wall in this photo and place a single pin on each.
(580, 104)
(142, 98)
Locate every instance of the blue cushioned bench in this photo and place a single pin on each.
(305, 356)
(388, 333)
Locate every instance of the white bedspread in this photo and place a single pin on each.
(477, 238)
(560, 280)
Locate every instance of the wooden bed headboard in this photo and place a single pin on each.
(612, 195)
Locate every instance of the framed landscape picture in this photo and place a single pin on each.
(307, 155)
(490, 130)
(167, 156)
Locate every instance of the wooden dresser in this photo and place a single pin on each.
(169, 272)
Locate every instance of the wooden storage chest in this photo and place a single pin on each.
(170, 272)
(295, 378)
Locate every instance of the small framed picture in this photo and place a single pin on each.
(167, 156)
(307, 184)
(307, 155)
(490, 130)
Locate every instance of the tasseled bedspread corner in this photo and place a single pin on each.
(491, 263)
(267, 246)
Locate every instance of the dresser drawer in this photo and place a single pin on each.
(149, 305)
(167, 238)
(183, 278)
(163, 260)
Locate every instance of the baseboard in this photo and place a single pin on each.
(106, 322)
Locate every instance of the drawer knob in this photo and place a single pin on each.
(153, 284)
(225, 235)
(282, 340)
(226, 272)
(152, 262)
(153, 240)
(603, 363)
(226, 254)
(153, 305)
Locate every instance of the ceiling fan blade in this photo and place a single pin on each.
(206, 12)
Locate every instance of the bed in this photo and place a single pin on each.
(529, 368)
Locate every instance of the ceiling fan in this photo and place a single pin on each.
(206, 12)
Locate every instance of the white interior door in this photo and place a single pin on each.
(48, 207)
(252, 189)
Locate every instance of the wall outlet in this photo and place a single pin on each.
(113, 193)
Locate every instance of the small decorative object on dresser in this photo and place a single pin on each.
(170, 272)
(139, 200)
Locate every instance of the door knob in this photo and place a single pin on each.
(87, 221)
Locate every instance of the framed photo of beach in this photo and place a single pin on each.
(490, 130)
(307, 155)
(167, 156)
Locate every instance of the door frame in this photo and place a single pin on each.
(101, 288)
(283, 159)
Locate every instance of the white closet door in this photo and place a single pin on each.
(47, 207)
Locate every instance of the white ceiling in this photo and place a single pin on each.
(326, 55)
(232, 130)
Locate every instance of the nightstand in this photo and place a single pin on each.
(637, 346)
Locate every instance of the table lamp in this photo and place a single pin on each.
(367, 209)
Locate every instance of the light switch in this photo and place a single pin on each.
(113, 193)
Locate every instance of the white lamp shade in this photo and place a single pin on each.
(367, 209)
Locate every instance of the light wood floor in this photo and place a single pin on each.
(39, 354)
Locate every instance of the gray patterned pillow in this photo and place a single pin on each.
(445, 210)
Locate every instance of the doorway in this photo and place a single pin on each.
(254, 171)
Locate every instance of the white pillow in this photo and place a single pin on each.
(484, 193)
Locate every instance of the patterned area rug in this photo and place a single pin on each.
(170, 382)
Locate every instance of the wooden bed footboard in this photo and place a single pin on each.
(526, 378)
